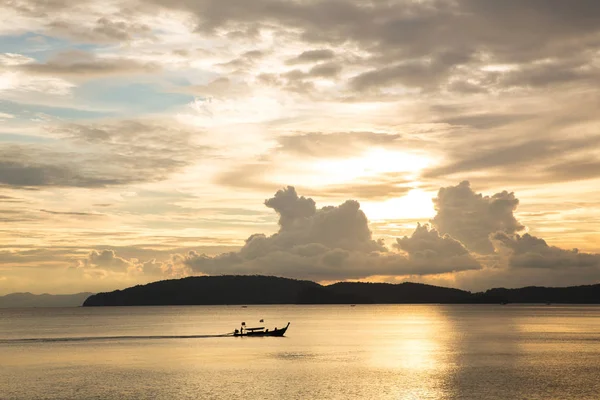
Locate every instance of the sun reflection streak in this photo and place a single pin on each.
(419, 347)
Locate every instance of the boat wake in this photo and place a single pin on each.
(107, 338)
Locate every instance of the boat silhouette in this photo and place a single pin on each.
(259, 331)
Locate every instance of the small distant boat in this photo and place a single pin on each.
(259, 331)
(352, 305)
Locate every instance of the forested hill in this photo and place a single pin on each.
(207, 290)
(214, 290)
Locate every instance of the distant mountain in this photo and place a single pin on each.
(588, 294)
(208, 290)
(384, 293)
(15, 300)
(214, 290)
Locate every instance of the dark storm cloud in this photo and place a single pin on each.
(332, 242)
(528, 251)
(471, 217)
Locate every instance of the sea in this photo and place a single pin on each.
(329, 352)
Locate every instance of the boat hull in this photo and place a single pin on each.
(274, 332)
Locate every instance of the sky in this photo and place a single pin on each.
(453, 142)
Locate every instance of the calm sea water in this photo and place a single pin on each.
(329, 352)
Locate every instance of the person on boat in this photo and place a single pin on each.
(236, 332)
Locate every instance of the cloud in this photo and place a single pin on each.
(311, 56)
(87, 21)
(381, 187)
(426, 242)
(25, 173)
(332, 243)
(220, 87)
(471, 217)
(106, 259)
(528, 251)
(100, 155)
(105, 29)
(103, 262)
(336, 144)
(524, 153)
(429, 46)
(81, 64)
(292, 209)
(76, 214)
(420, 74)
(326, 70)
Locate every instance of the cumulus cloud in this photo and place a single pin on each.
(106, 259)
(426, 242)
(471, 217)
(528, 251)
(332, 243)
(291, 208)
(103, 262)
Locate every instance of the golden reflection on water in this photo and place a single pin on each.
(330, 352)
(416, 342)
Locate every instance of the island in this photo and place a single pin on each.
(257, 289)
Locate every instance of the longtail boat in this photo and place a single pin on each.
(260, 331)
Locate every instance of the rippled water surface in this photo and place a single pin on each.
(329, 352)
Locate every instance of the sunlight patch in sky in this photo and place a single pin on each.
(417, 204)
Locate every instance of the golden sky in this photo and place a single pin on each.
(448, 142)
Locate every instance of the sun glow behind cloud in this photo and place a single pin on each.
(416, 204)
(372, 163)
